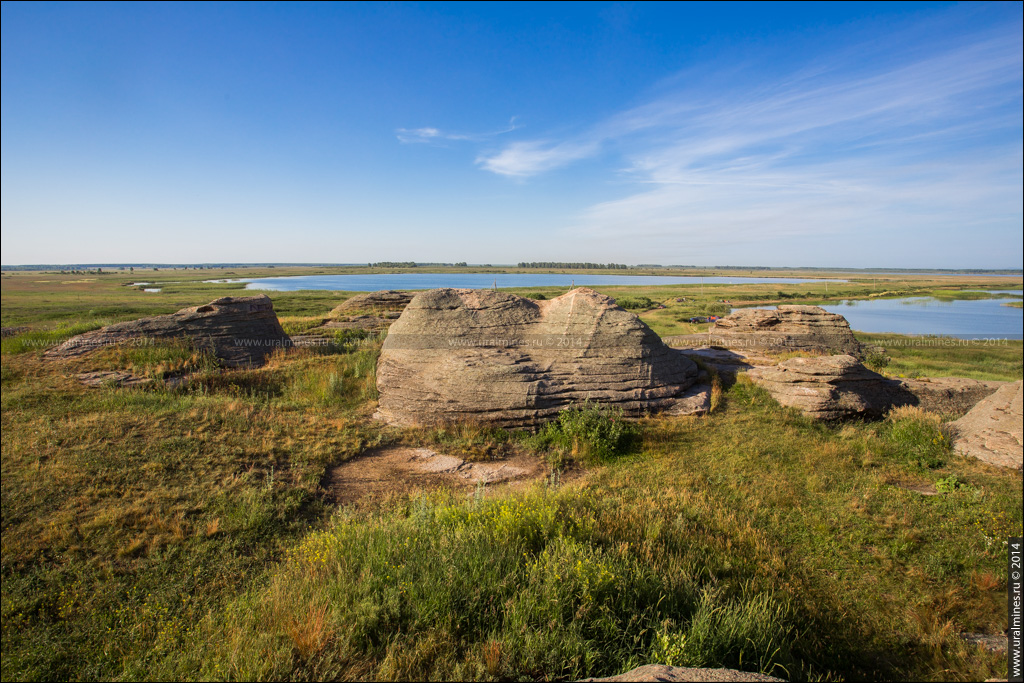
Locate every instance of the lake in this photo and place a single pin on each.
(373, 282)
(962, 319)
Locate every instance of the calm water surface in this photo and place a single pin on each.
(376, 281)
(980, 319)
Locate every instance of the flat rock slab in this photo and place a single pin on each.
(117, 378)
(991, 643)
(695, 401)
(359, 322)
(384, 300)
(726, 360)
(992, 430)
(398, 469)
(919, 488)
(671, 674)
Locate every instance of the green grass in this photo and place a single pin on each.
(40, 340)
(946, 357)
(182, 532)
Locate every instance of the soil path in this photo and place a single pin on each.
(401, 469)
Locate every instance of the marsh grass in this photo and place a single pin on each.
(923, 357)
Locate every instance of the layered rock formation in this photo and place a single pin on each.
(788, 328)
(831, 387)
(950, 396)
(377, 302)
(488, 356)
(992, 430)
(839, 387)
(240, 331)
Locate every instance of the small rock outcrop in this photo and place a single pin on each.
(831, 387)
(240, 331)
(950, 396)
(674, 674)
(376, 302)
(992, 430)
(839, 387)
(116, 378)
(497, 358)
(787, 328)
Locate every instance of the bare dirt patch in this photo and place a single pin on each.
(382, 472)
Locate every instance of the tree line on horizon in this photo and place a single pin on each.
(576, 266)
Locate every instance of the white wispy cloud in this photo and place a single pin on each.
(434, 135)
(919, 144)
(522, 159)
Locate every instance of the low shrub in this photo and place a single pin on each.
(917, 436)
(591, 433)
(635, 303)
(876, 360)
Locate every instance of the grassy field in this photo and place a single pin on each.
(159, 533)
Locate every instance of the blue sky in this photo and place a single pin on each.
(862, 135)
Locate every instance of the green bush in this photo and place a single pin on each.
(717, 308)
(635, 303)
(590, 433)
(917, 436)
(876, 360)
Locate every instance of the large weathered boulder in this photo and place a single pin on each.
(838, 387)
(497, 358)
(831, 387)
(992, 430)
(240, 331)
(787, 328)
(375, 302)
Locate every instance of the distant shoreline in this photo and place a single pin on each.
(491, 268)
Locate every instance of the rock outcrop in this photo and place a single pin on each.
(728, 361)
(496, 358)
(831, 387)
(787, 328)
(116, 378)
(674, 674)
(992, 430)
(375, 302)
(949, 396)
(839, 387)
(240, 331)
